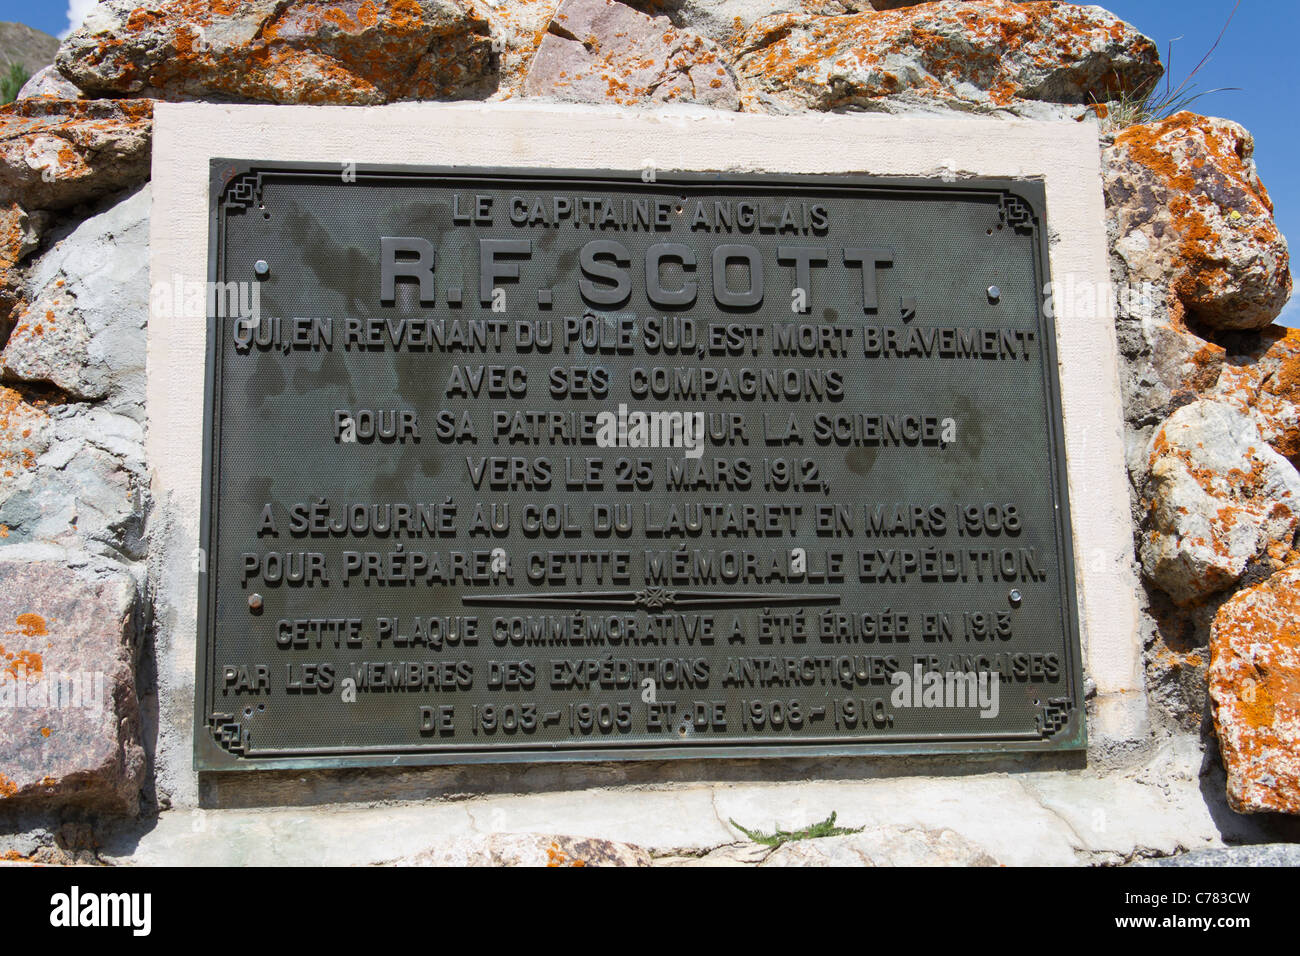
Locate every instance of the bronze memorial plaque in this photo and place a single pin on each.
(514, 465)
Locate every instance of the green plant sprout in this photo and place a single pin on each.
(12, 82)
(826, 828)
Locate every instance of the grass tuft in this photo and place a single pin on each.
(1150, 103)
(12, 82)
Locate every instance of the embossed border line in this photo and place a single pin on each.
(651, 598)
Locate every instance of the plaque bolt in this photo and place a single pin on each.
(994, 293)
(1015, 597)
(255, 602)
(261, 268)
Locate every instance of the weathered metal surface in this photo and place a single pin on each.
(435, 532)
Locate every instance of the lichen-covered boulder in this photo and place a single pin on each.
(725, 20)
(1264, 385)
(282, 51)
(521, 25)
(48, 81)
(1192, 213)
(1219, 498)
(518, 28)
(20, 234)
(1254, 681)
(84, 330)
(69, 717)
(599, 51)
(980, 57)
(72, 439)
(1166, 366)
(78, 480)
(23, 440)
(57, 153)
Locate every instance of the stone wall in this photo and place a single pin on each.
(1211, 403)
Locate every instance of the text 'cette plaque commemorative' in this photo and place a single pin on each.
(524, 465)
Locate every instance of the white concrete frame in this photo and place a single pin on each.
(1064, 155)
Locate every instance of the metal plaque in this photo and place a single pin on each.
(536, 465)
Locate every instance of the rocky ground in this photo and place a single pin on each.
(1212, 406)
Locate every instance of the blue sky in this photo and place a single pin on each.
(1256, 54)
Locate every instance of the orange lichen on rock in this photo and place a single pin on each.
(1254, 683)
(557, 857)
(518, 29)
(1264, 384)
(1230, 265)
(1217, 499)
(59, 745)
(1284, 381)
(20, 423)
(19, 236)
(31, 625)
(21, 664)
(16, 237)
(55, 153)
(353, 52)
(24, 663)
(991, 53)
